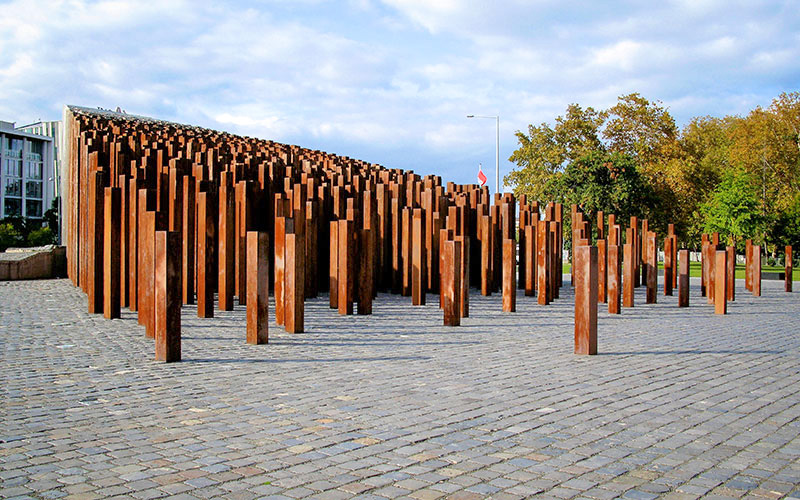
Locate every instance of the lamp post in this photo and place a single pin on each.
(496, 150)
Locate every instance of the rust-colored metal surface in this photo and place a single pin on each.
(111, 253)
(168, 296)
(585, 299)
(509, 275)
(788, 269)
(613, 259)
(257, 287)
(629, 280)
(683, 278)
(720, 282)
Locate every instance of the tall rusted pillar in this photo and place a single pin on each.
(629, 281)
(346, 266)
(485, 226)
(585, 299)
(111, 253)
(188, 237)
(709, 252)
(279, 289)
(333, 269)
(683, 278)
(720, 282)
(669, 266)
(94, 290)
(226, 280)
(748, 269)
(614, 279)
(257, 287)
(509, 275)
(756, 270)
(418, 259)
(651, 257)
(206, 231)
(530, 259)
(407, 250)
(450, 285)
(542, 262)
(168, 296)
(731, 272)
(293, 309)
(788, 269)
(602, 264)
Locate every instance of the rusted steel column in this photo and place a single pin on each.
(94, 290)
(720, 282)
(147, 233)
(396, 246)
(509, 275)
(407, 250)
(346, 266)
(295, 282)
(463, 279)
(644, 249)
(788, 269)
(683, 278)
(748, 269)
(674, 241)
(333, 270)
(652, 267)
(188, 236)
(418, 280)
(635, 241)
(124, 218)
(206, 233)
(709, 258)
(731, 272)
(168, 296)
(669, 265)
(257, 287)
(279, 289)
(450, 285)
(530, 259)
(311, 250)
(703, 264)
(756, 272)
(366, 270)
(133, 245)
(585, 299)
(111, 252)
(227, 249)
(554, 260)
(486, 255)
(602, 265)
(629, 268)
(542, 262)
(614, 278)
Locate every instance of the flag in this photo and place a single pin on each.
(481, 175)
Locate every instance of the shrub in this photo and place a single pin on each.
(9, 236)
(41, 236)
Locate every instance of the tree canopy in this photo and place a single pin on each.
(689, 175)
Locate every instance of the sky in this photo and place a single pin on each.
(392, 81)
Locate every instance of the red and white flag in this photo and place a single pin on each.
(481, 175)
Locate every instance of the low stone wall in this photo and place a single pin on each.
(33, 263)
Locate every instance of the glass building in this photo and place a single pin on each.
(27, 172)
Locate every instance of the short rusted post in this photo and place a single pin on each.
(295, 283)
(683, 278)
(629, 281)
(333, 269)
(710, 260)
(720, 282)
(585, 260)
(168, 296)
(669, 265)
(756, 272)
(542, 262)
(279, 289)
(731, 272)
(257, 287)
(748, 269)
(206, 230)
(346, 266)
(418, 259)
(188, 237)
(602, 264)
(614, 279)
(509, 275)
(111, 253)
(450, 286)
(788, 269)
(651, 257)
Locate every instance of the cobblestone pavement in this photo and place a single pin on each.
(681, 403)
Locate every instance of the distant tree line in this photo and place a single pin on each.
(736, 175)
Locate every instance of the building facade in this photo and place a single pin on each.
(27, 173)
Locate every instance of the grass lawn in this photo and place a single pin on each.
(694, 270)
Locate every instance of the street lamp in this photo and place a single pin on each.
(496, 151)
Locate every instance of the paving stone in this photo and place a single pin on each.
(680, 403)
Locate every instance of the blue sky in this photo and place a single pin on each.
(391, 81)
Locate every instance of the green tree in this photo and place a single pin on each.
(733, 209)
(9, 236)
(544, 151)
(605, 181)
(41, 236)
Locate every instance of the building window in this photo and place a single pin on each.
(12, 187)
(36, 151)
(33, 170)
(33, 189)
(12, 206)
(33, 208)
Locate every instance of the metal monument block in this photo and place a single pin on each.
(629, 280)
(111, 253)
(614, 278)
(257, 287)
(509, 275)
(586, 299)
(168, 296)
(206, 238)
(720, 282)
(418, 259)
(788, 269)
(293, 310)
(683, 278)
(730, 275)
(450, 286)
(543, 262)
